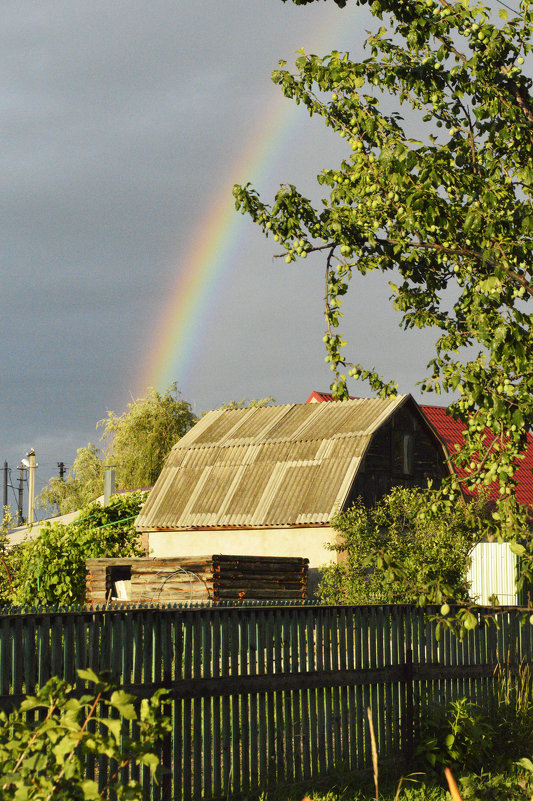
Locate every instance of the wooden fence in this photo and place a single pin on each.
(263, 694)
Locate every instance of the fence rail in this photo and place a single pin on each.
(263, 694)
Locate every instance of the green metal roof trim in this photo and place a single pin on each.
(265, 466)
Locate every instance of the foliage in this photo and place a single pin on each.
(142, 437)
(84, 482)
(395, 549)
(512, 711)
(513, 784)
(139, 441)
(43, 755)
(457, 736)
(446, 213)
(248, 404)
(52, 566)
(9, 557)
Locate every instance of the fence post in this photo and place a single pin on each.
(408, 716)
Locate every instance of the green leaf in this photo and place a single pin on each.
(517, 549)
(89, 675)
(122, 701)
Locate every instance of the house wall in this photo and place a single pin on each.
(309, 542)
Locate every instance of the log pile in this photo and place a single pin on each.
(181, 579)
(149, 580)
(259, 577)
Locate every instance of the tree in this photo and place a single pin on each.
(84, 482)
(447, 215)
(248, 404)
(139, 440)
(427, 547)
(46, 744)
(143, 436)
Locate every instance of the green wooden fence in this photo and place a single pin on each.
(263, 694)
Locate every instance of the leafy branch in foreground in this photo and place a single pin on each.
(446, 214)
(45, 744)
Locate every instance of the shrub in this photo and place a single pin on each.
(457, 736)
(46, 757)
(52, 567)
(397, 548)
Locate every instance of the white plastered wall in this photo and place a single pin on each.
(308, 542)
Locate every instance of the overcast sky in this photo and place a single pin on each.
(120, 122)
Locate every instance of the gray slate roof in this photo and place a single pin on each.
(265, 466)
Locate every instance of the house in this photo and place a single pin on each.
(451, 433)
(494, 567)
(268, 480)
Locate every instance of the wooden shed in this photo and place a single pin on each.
(179, 579)
(268, 480)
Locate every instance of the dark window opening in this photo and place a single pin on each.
(119, 582)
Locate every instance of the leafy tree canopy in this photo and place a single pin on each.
(138, 442)
(84, 482)
(248, 404)
(142, 437)
(427, 547)
(446, 212)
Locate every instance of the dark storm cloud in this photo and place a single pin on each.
(118, 121)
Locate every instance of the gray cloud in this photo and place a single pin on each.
(119, 124)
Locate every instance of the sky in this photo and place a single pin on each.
(124, 265)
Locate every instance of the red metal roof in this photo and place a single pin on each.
(451, 431)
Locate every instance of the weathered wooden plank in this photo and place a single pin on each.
(219, 558)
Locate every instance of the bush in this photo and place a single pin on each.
(46, 757)
(52, 567)
(399, 547)
(457, 736)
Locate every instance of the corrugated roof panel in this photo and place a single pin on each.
(367, 417)
(247, 494)
(171, 504)
(198, 428)
(323, 493)
(289, 423)
(272, 451)
(254, 427)
(223, 421)
(200, 457)
(291, 487)
(264, 466)
(214, 490)
(323, 426)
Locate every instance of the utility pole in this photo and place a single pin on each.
(31, 485)
(6, 483)
(20, 519)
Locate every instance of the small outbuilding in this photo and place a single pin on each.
(268, 480)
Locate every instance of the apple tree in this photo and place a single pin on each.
(445, 212)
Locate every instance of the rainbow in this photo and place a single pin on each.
(181, 330)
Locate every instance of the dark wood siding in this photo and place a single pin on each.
(403, 452)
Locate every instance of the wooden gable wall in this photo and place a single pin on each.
(403, 452)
